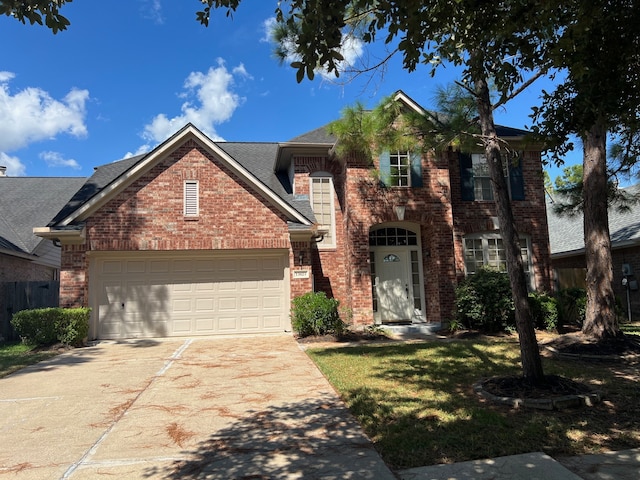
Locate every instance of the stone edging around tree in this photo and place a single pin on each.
(549, 403)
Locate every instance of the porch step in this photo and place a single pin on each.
(414, 330)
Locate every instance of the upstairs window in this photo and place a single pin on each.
(476, 180)
(191, 200)
(401, 169)
(323, 207)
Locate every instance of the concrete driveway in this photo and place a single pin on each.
(214, 408)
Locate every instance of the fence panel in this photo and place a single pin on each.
(16, 296)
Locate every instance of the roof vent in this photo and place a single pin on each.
(3, 171)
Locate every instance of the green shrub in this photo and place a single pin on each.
(572, 306)
(484, 301)
(544, 309)
(315, 314)
(44, 326)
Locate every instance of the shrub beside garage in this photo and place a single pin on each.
(46, 326)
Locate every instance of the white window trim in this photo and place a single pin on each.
(506, 165)
(486, 236)
(332, 227)
(401, 155)
(189, 209)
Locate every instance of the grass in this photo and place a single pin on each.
(416, 402)
(16, 355)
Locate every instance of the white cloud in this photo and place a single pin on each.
(146, 148)
(268, 25)
(351, 50)
(15, 168)
(55, 159)
(31, 115)
(152, 10)
(210, 101)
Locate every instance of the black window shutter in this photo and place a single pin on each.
(385, 169)
(516, 178)
(466, 176)
(416, 169)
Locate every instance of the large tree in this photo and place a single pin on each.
(599, 48)
(492, 42)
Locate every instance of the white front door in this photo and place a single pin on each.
(396, 273)
(394, 290)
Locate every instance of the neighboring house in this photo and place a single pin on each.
(200, 237)
(566, 236)
(26, 202)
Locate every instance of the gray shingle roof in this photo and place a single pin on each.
(257, 158)
(319, 135)
(566, 234)
(28, 202)
(102, 176)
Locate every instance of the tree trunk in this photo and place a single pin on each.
(600, 320)
(529, 351)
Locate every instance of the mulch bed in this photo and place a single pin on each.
(578, 344)
(518, 387)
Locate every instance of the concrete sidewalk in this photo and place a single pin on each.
(623, 465)
(218, 408)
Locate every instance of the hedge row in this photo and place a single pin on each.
(45, 326)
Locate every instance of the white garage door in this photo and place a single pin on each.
(161, 295)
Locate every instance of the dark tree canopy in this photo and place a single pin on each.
(35, 11)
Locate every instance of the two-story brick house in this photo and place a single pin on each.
(200, 237)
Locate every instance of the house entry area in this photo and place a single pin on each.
(396, 274)
(163, 294)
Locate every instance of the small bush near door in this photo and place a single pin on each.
(315, 314)
(45, 326)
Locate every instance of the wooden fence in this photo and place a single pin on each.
(16, 296)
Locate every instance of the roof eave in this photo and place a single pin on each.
(66, 236)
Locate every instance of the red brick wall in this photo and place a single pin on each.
(14, 269)
(329, 274)
(443, 218)
(530, 215)
(148, 215)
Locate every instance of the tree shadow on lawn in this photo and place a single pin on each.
(306, 439)
(417, 403)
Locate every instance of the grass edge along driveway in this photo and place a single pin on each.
(17, 355)
(416, 402)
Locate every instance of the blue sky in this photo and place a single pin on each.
(124, 77)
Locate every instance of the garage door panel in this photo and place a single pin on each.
(189, 296)
(228, 324)
(271, 321)
(250, 323)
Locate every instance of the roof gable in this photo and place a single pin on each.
(111, 179)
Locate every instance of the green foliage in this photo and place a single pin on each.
(315, 314)
(44, 326)
(544, 310)
(35, 11)
(572, 306)
(484, 301)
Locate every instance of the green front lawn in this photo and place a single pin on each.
(16, 355)
(416, 402)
